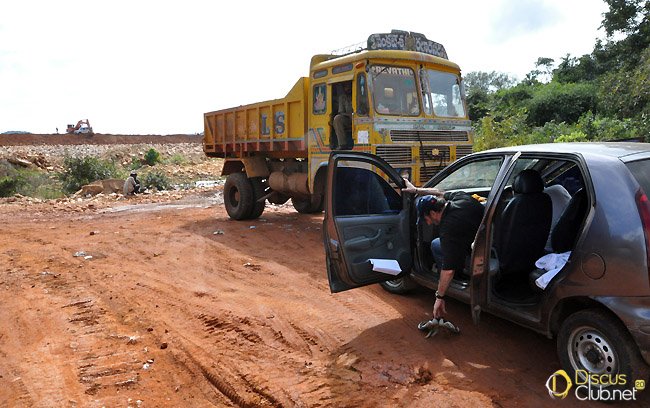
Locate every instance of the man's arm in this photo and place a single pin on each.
(439, 309)
(410, 188)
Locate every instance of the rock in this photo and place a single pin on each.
(347, 360)
(108, 186)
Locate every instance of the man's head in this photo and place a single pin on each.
(134, 174)
(429, 209)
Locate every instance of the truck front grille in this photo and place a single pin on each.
(463, 150)
(395, 155)
(429, 171)
(428, 136)
(438, 153)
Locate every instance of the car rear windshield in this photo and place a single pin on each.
(641, 171)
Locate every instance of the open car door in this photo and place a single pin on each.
(366, 218)
(481, 251)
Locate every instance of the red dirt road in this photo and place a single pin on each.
(168, 313)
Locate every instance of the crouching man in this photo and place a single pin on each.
(132, 184)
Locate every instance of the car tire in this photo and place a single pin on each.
(399, 286)
(310, 205)
(259, 191)
(595, 341)
(238, 196)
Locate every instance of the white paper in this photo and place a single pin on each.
(362, 137)
(389, 266)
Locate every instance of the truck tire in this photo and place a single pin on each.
(259, 190)
(594, 341)
(238, 196)
(312, 204)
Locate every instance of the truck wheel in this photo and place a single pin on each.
(399, 286)
(238, 196)
(593, 341)
(312, 204)
(259, 188)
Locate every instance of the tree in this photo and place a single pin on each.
(573, 69)
(629, 19)
(487, 82)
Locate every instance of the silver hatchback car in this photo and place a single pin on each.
(585, 204)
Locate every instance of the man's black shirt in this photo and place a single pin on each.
(458, 225)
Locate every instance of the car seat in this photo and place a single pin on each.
(566, 230)
(524, 227)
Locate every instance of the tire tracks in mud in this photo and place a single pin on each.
(104, 359)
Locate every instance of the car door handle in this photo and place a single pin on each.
(363, 242)
(334, 249)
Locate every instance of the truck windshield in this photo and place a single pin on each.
(442, 93)
(394, 90)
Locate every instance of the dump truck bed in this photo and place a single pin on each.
(276, 128)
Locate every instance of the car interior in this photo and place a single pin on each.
(540, 211)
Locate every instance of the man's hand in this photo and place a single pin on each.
(410, 188)
(439, 309)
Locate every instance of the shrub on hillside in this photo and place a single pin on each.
(157, 180)
(81, 171)
(152, 157)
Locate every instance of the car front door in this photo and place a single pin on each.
(480, 262)
(367, 220)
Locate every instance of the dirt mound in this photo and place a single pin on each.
(97, 138)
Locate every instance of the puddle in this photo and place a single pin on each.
(183, 203)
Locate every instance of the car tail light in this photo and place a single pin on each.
(644, 211)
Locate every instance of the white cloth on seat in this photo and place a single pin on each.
(552, 263)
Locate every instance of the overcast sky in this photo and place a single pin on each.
(154, 67)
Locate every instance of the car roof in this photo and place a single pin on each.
(620, 150)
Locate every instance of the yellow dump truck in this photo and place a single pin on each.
(397, 96)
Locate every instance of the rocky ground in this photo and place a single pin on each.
(161, 300)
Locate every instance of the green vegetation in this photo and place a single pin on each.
(81, 171)
(27, 182)
(151, 157)
(157, 180)
(600, 96)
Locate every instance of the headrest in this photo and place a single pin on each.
(528, 181)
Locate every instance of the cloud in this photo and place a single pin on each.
(517, 17)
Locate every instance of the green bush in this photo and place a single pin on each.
(152, 157)
(177, 159)
(81, 171)
(156, 179)
(9, 185)
(135, 164)
(561, 103)
(40, 185)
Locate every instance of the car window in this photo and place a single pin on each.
(641, 172)
(361, 191)
(477, 174)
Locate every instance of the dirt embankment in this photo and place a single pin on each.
(98, 138)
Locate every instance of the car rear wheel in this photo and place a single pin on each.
(593, 341)
(399, 286)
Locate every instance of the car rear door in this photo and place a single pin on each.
(366, 218)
